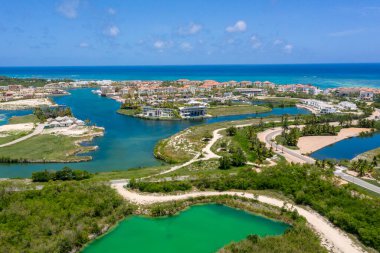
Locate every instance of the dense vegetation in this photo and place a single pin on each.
(65, 174)
(298, 239)
(26, 82)
(43, 113)
(57, 218)
(242, 145)
(309, 185)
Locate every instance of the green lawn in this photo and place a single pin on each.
(130, 112)
(46, 148)
(13, 136)
(236, 110)
(31, 118)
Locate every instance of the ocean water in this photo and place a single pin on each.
(322, 75)
(128, 142)
(201, 229)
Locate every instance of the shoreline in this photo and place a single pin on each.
(24, 104)
(310, 144)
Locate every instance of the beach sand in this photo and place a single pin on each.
(16, 127)
(25, 104)
(310, 144)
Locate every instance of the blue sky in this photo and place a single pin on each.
(168, 32)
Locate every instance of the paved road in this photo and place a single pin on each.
(339, 170)
(36, 131)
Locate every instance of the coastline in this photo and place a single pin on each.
(24, 104)
(310, 144)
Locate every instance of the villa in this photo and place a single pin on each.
(192, 111)
(64, 122)
(152, 112)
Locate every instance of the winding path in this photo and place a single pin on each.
(36, 131)
(333, 238)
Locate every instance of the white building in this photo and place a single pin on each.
(321, 106)
(192, 111)
(152, 112)
(345, 105)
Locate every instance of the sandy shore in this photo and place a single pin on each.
(25, 104)
(17, 127)
(334, 239)
(310, 144)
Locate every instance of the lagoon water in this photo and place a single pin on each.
(348, 148)
(201, 229)
(322, 75)
(128, 141)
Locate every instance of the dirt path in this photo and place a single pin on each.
(333, 238)
(36, 131)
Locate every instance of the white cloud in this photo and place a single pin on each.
(191, 29)
(186, 46)
(159, 44)
(256, 43)
(111, 11)
(278, 42)
(345, 33)
(239, 26)
(288, 48)
(112, 31)
(69, 8)
(84, 45)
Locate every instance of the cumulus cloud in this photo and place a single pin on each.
(69, 8)
(256, 42)
(111, 11)
(160, 45)
(186, 46)
(112, 31)
(239, 26)
(191, 29)
(288, 48)
(84, 45)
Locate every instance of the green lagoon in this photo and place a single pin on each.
(201, 229)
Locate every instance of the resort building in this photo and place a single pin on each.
(251, 92)
(192, 111)
(152, 112)
(366, 95)
(321, 106)
(345, 105)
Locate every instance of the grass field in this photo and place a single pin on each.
(31, 118)
(131, 112)
(46, 148)
(13, 136)
(236, 110)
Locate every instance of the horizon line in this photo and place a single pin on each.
(192, 65)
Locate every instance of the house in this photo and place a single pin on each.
(366, 95)
(192, 111)
(153, 112)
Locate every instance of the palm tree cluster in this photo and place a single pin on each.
(362, 166)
